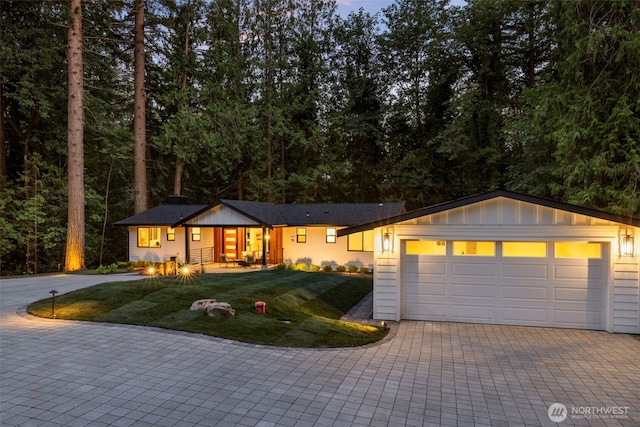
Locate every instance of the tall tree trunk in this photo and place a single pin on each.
(141, 185)
(3, 148)
(177, 177)
(74, 259)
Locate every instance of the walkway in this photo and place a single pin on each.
(63, 373)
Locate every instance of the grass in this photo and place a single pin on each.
(302, 309)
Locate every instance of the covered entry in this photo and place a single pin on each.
(538, 283)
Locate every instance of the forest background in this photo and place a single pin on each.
(286, 101)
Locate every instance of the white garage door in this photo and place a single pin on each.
(556, 284)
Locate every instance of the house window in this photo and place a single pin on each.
(195, 234)
(301, 235)
(149, 237)
(331, 235)
(361, 242)
(171, 234)
(474, 248)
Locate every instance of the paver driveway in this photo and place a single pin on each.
(75, 374)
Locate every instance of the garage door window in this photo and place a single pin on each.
(578, 250)
(474, 248)
(426, 247)
(524, 249)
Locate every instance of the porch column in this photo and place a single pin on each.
(264, 248)
(187, 250)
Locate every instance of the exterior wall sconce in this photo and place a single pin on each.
(386, 241)
(626, 245)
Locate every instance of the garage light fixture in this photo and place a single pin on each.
(386, 241)
(626, 245)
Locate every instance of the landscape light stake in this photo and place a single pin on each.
(53, 302)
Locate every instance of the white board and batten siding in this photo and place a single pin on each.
(221, 215)
(558, 292)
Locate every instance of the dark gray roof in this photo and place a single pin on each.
(273, 215)
(441, 207)
(340, 214)
(167, 214)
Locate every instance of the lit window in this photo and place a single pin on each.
(426, 247)
(577, 250)
(331, 235)
(361, 242)
(473, 248)
(149, 237)
(195, 234)
(301, 235)
(171, 234)
(524, 249)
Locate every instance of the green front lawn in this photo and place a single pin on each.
(302, 309)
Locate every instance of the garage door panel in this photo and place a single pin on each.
(485, 313)
(473, 269)
(525, 271)
(577, 318)
(580, 295)
(535, 293)
(426, 288)
(578, 272)
(426, 311)
(473, 290)
(524, 314)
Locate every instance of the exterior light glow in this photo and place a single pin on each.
(386, 242)
(626, 245)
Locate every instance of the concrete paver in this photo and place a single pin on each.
(63, 373)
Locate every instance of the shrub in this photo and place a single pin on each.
(353, 268)
(281, 266)
(327, 268)
(315, 268)
(113, 268)
(364, 270)
(341, 268)
(301, 267)
(291, 266)
(101, 270)
(131, 269)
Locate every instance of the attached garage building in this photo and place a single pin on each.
(507, 258)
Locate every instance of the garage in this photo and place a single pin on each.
(551, 284)
(508, 258)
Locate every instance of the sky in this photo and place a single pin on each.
(372, 6)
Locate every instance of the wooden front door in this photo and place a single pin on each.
(230, 237)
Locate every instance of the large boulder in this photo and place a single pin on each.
(218, 310)
(201, 304)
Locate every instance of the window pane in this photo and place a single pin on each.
(301, 235)
(524, 249)
(473, 248)
(195, 234)
(154, 237)
(171, 234)
(368, 241)
(577, 250)
(426, 247)
(355, 242)
(331, 235)
(143, 237)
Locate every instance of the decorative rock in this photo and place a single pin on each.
(218, 310)
(201, 304)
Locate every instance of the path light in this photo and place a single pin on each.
(384, 325)
(53, 302)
